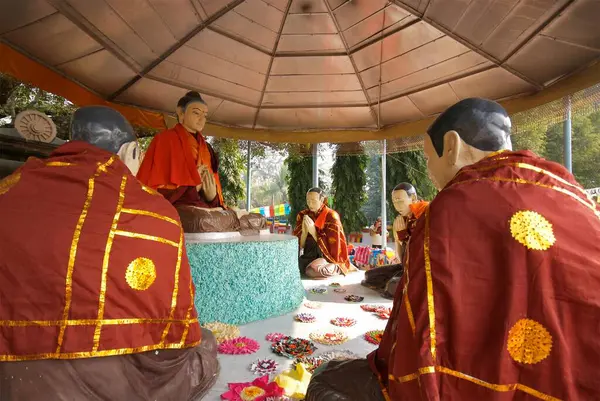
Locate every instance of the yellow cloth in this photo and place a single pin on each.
(294, 382)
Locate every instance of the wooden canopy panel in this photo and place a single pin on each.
(283, 65)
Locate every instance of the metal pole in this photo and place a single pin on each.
(383, 195)
(315, 165)
(567, 136)
(248, 176)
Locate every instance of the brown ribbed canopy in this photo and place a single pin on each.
(307, 64)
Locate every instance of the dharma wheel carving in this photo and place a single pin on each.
(35, 126)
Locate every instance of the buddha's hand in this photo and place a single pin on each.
(209, 185)
(399, 224)
(308, 226)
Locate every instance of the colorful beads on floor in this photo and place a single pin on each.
(313, 305)
(370, 307)
(374, 336)
(329, 338)
(291, 347)
(339, 290)
(354, 298)
(239, 346)
(311, 363)
(343, 321)
(274, 337)
(338, 355)
(305, 318)
(263, 366)
(318, 290)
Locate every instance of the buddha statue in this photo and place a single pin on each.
(322, 239)
(95, 278)
(183, 167)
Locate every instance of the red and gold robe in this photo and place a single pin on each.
(171, 167)
(92, 263)
(500, 297)
(330, 235)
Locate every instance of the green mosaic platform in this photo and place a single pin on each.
(245, 279)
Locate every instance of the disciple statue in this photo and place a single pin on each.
(500, 295)
(97, 298)
(385, 279)
(183, 167)
(322, 239)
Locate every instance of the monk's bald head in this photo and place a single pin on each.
(480, 123)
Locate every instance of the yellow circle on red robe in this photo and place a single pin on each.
(529, 342)
(140, 274)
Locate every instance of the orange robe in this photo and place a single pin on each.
(416, 209)
(330, 235)
(500, 297)
(92, 263)
(171, 167)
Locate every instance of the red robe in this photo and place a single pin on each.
(171, 167)
(501, 295)
(330, 235)
(92, 263)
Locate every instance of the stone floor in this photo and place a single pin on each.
(235, 368)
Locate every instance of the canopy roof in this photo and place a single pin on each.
(306, 64)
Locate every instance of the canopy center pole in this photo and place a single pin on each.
(248, 176)
(315, 165)
(567, 135)
(383, 194)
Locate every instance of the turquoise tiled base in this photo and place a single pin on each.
(243, 281)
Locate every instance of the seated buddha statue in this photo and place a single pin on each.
(97, 298)
(183, 167)
(322, 239)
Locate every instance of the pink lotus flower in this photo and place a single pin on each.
(239, 345)
(258, 390)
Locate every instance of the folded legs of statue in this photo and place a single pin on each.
(166, 375)
(350, 380)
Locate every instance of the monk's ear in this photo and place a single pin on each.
(452, 147)
(414, 197)
(180, 112)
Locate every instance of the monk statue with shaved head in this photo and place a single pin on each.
(96, 291)
(499, 299)
(182, 166)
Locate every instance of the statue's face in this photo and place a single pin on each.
(314, 201)
(402, 202)
(193, 118)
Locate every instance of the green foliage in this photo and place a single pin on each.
(348, 187)
(585, 136)
(232, 170)
(299, 181)
(372, 208)
(408, 167)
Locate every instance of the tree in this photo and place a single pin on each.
(408, 167)
(372, 208)
(533, 139)
(232, 170)
(299, 181)
(548, 142)
(348, 187)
